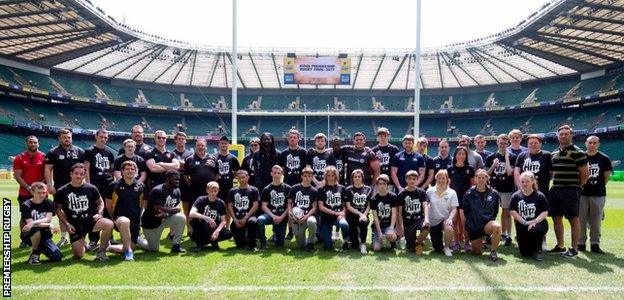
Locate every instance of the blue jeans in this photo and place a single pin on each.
(278, 229)
(326, 231)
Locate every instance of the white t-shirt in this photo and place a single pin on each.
(440, 207)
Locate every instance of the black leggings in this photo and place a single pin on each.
(358, 230)
(530, 241)
(202, 233)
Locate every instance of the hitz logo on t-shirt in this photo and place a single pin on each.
(527, 211)
(277, 199)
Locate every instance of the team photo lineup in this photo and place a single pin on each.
(322, 195)
(330, 150)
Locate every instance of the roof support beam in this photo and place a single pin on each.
(33, 40)
(184, 62)
(50, 45)
(397, 71)
(478, 58)
(193, 67)
(458, 64)
(523, 55)
(29, 13)
(225, 70)
(580, 28)
(279, 80)
(237, 71)
(253, 64)
(507, 64)
(440, 70)
(154, 46)
(570, 47)
(596, 19)
(607, 7)
(578, 38)
(14, 37)
(357, 71)
(377, 72)
(28, 25)
(137, 61)
(409, 68)
(214, 68)
(149, 63)
(103, 54)
(175, 61)
(448, 65)
(572, 63)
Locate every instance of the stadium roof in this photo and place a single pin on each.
(563, 37)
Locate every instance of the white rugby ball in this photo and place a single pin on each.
(297, 213)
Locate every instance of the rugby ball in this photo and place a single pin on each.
(297, 213)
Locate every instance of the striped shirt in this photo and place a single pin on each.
(565, 164)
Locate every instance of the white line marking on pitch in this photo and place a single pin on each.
(247, 288)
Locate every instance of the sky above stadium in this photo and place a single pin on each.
(336, 24)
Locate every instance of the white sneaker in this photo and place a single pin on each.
(142, 242)
(544, 246)
(448, 252)
(335, 235)
(363, 249)
(402, 243)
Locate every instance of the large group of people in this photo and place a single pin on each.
(328, 196)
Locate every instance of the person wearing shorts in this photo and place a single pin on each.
(480, 208)
(500, 167)
(570, 173)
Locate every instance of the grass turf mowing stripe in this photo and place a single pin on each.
(247, 288)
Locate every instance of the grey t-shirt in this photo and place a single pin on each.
(440, 207)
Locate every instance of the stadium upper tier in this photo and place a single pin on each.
(171, 96)
(563, 37)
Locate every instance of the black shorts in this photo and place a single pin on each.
(564, 201)
(20, 200)
(475, 234)
(135, 227)
(81, 230)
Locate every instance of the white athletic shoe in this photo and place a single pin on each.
(335, 236)
(402, 243)
(448, 252)
(544, 246)
(363, 249)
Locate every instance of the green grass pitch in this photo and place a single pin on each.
(290, 273)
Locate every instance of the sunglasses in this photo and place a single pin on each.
(254, 145)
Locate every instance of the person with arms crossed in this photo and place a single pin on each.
(80, 207)
(360, 157)
(593, 195)
(38, 228)
(28, 168)
(264, 160)
(160, 160)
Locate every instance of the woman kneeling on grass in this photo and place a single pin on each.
(442, 210)
(479, 209)
(529, 208)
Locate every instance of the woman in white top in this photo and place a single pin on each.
(443, 205)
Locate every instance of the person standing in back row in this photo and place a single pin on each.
(385, 153)
(264, 160)
(570, 173)
(360, 157)
(160, 160)
(593, 195)
(228, 166)
(426, 180)
(319, 158)
(500, 169)
(141, 148)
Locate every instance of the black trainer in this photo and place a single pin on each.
(581, 248)
(177, 249)
(310, 247)
(596, 249)
(508, 241)
(571, 253)
(539, 256)
(557, 249)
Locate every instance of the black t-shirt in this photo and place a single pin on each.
(164, 157)
(499, 179)
(485, 154)
(62, 160)
(411, 203)
(598, 164)
(440, 163)
(429, 165)
(201, 171)
(383, 205)
(262, 164)
(139, 161)
(302, 197)
(212, 209)
(100, 165)
(126, 199)
(228, 165)
(359, 197)
(141, 150)
(332, 197)
(242, 200)
(293, 162)
(79, 203)
(340, 164)
(460, 179)
(358, 159)
(319, 161)
(275, 197)
(541, 166)
(36, 211)
(248, 166)
(159, 195)
(385, 155)
(529, 207)
(183, 155)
